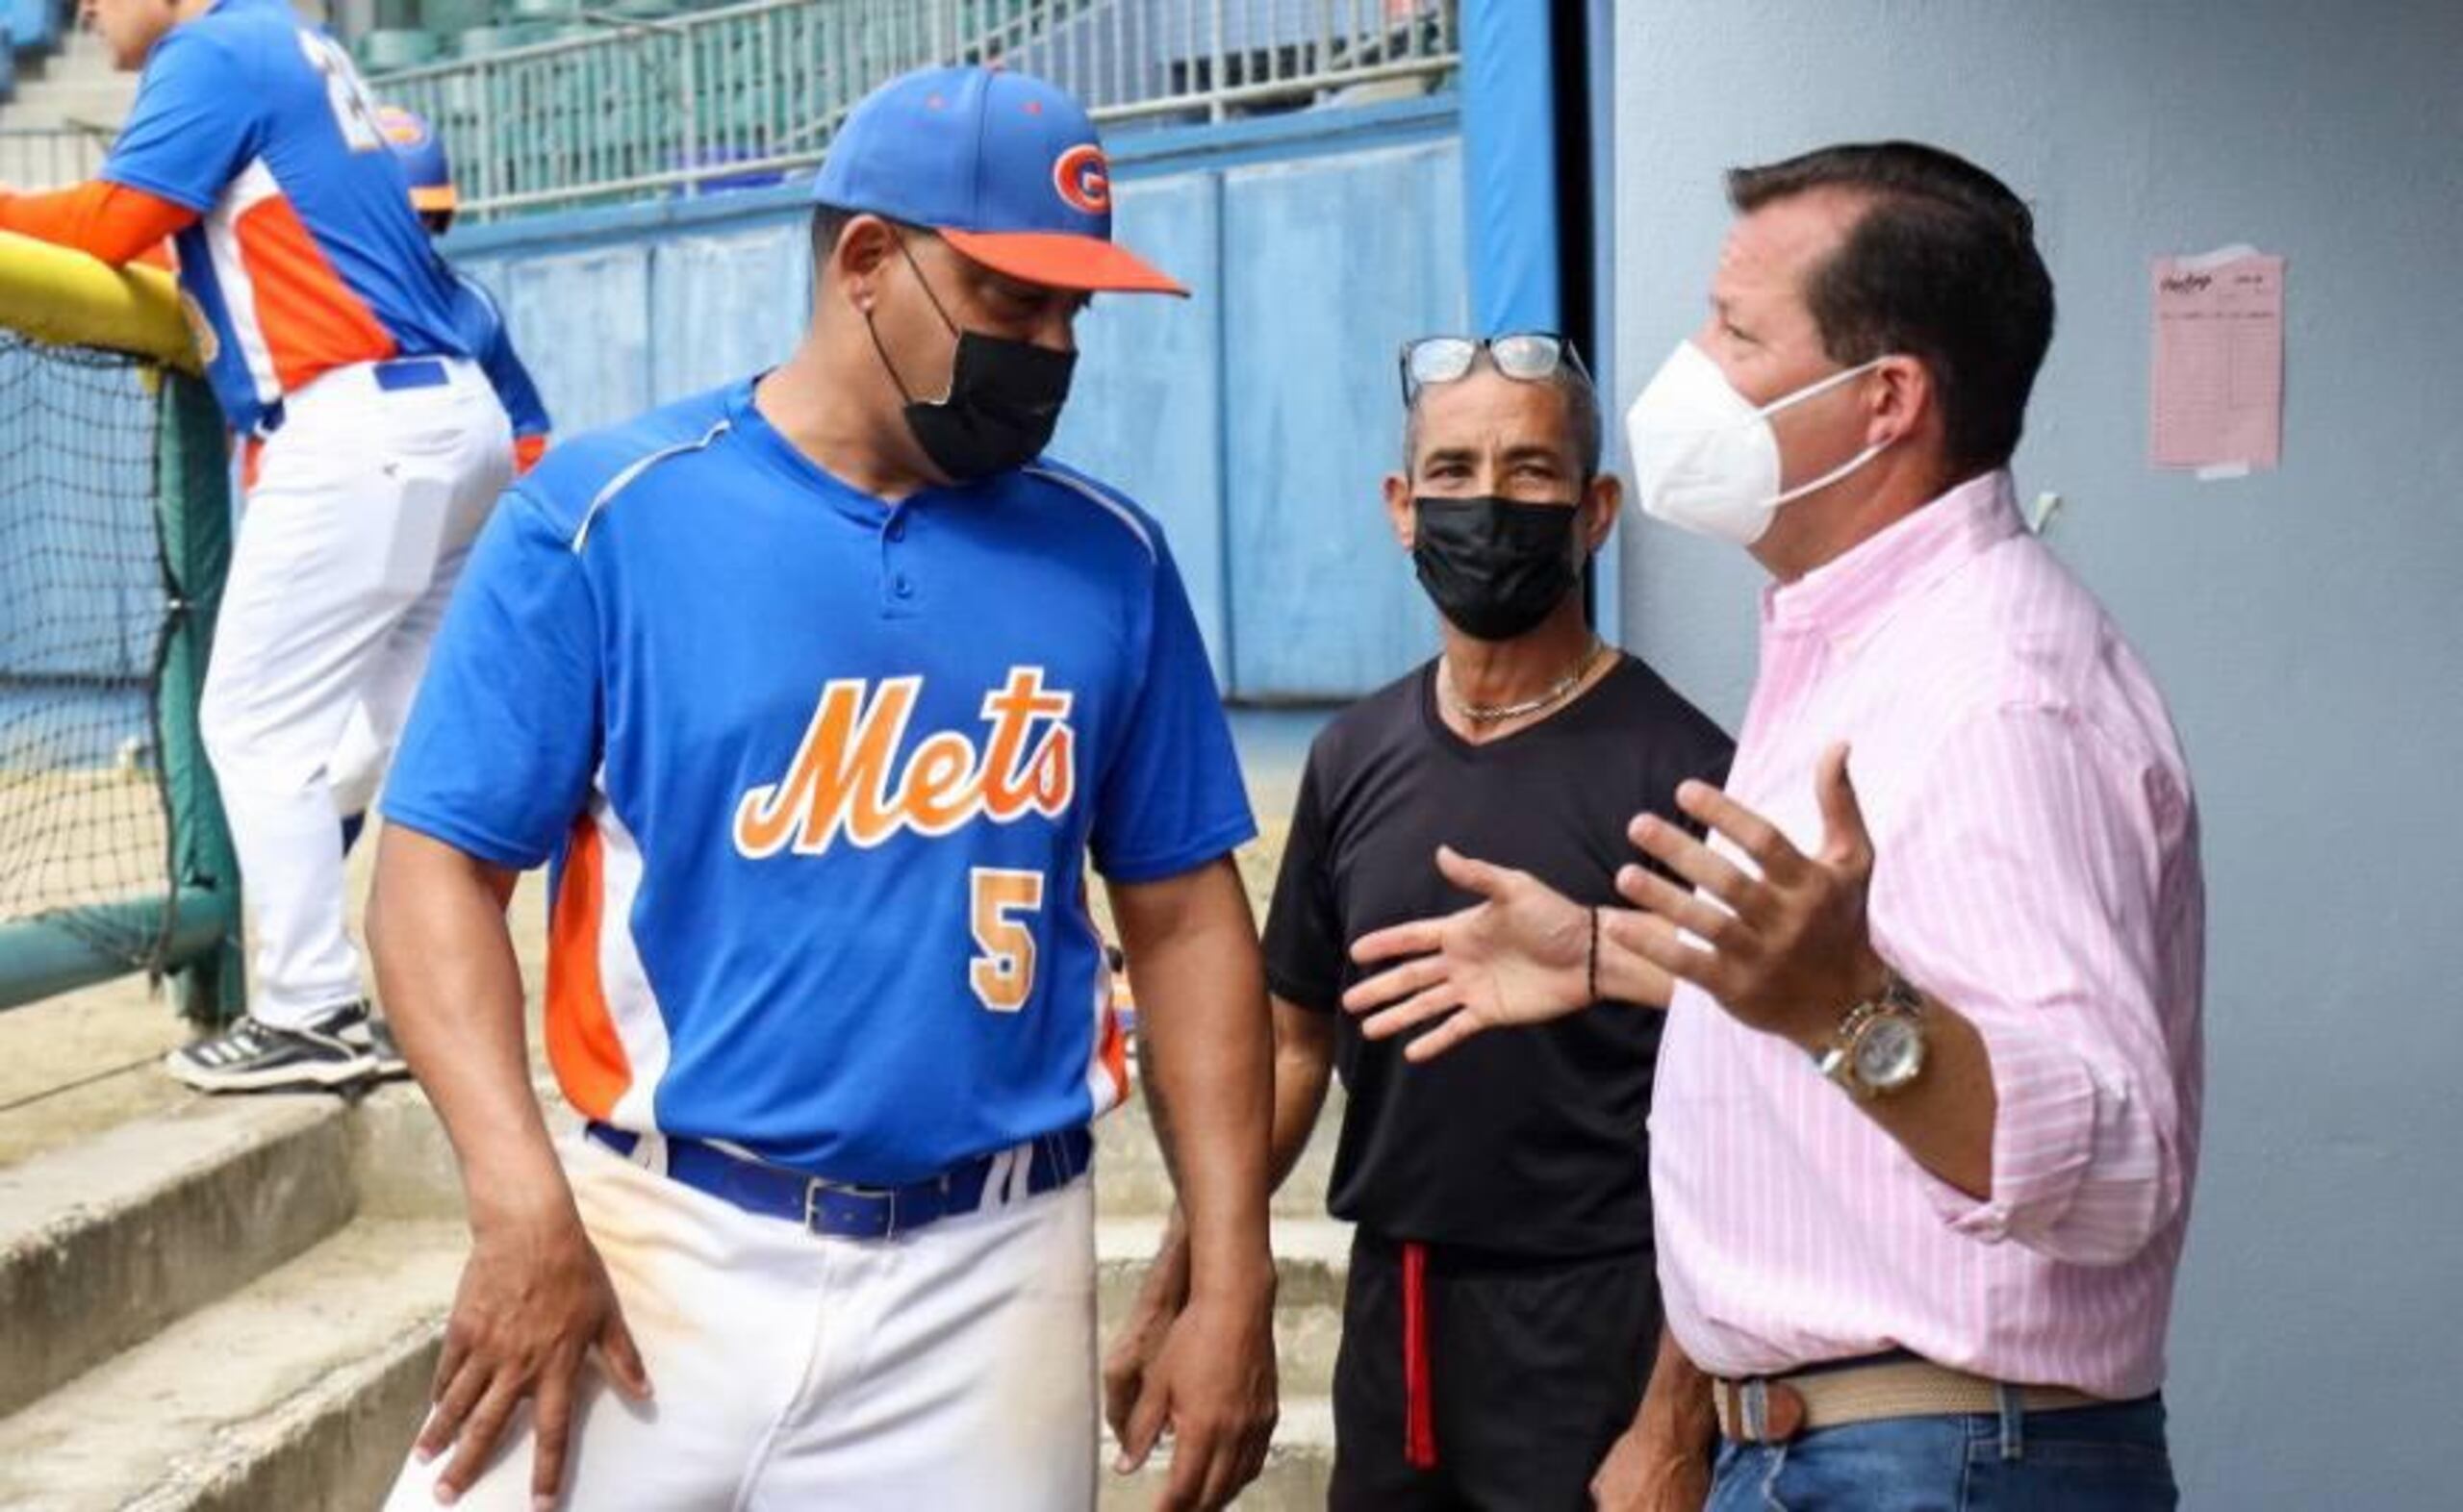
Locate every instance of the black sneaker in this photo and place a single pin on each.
(255, 1056)
(376, 1036)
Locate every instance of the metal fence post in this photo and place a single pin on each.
(688, 78)
(1216, 84)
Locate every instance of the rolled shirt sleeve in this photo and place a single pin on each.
(2043, 889)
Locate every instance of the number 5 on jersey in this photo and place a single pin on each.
(1003, 973)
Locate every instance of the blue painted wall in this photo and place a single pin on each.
(2303, 622)
(1255, 419)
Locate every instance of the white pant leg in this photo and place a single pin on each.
(366, 499)
(975, 1384)
(726, 1307)
(954, 1368)
(375, 727)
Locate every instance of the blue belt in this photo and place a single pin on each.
(411, 373)
(391, 377)
(855, 1211)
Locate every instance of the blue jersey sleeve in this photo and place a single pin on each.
(498, 756)
(194, 125)
(482, 325)
(1171, 799)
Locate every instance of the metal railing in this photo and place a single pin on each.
(626, 107)
(50, 157)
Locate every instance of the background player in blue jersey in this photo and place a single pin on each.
(475, 312)
(821, 690)
(373, 446)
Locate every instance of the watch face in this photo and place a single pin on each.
(1890, 1052)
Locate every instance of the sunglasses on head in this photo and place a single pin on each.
(1525, 356)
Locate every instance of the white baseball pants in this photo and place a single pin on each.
(952, 1368)
(364, 510)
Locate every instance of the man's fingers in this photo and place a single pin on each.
(1697, 863)
(454, 1406)
(479, 1434)
(552, 1427)
(1625, 929)
(448, 1362)
(1123, 1375)
(1145, 1426)
(1253, 1457)
(1844, 840)
(1416, 938)
(1396, 983)
(1192, 1462)
(1224, 1459)
(1477, 877)
(624, 1358)
(1655, 940)
(1439, 1040)
(1428, 1003)
(1645, 888)
(1757, 836)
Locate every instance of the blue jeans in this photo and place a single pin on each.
(2085, 1459)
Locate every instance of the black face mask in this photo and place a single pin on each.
(1003, 401)
(1494, 566)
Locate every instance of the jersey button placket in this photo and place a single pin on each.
(898, 590)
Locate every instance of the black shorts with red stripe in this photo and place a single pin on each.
(1521, 1377)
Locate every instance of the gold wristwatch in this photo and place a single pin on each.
(1878, 1048)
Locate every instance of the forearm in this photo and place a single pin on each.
(1677, 1413)
(452, 991)
(1304, 1065)
(1206, 1062)
(104, 220)
(2036, 1141)
(1945, 1120)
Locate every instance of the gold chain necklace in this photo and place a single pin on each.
(1499, 712)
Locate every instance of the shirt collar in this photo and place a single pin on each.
(1847, 597)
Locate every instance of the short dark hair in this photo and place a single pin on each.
(829, 222)
(1941, 266)
(1582, 414)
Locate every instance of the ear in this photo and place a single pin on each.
(865, 247)
(1902, 400)
(1398, 509)
(1599, 507)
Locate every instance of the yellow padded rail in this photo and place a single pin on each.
(54, 294)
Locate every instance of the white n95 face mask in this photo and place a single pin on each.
(1705, 460)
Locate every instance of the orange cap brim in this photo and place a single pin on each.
(1057, 260)
(439, 196)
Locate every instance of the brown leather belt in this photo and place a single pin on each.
(1776, 1410)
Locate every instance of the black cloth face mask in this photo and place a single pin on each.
(1003, 401)
(1494, 566)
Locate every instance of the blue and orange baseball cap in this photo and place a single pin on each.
(1005, 167)
(423, 160)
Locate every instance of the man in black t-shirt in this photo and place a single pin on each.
(1501, 1313)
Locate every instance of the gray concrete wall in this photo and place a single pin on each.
(2303, 622)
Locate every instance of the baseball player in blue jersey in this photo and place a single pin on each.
(476, 315)
(374, 450)
(819, 693)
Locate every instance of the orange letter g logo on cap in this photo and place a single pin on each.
(1084, 179)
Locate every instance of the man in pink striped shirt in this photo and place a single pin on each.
(1927, 1107)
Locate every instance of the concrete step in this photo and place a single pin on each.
(1311, 1257)
(105, 1242)
(300, 1391)
(1297, 1468)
